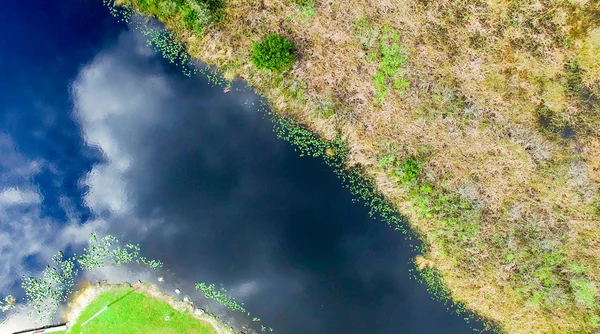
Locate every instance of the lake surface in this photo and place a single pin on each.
(100, 133)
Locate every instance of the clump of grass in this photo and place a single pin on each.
(584, 291)
(366, 33)
(406, 172)
(306, 8)
(274, 53)
(391, 58)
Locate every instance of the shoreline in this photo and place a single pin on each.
(503, 205)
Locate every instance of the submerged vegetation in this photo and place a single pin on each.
(478, 121)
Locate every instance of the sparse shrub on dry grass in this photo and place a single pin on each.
(499, 108)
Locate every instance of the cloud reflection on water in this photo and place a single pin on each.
(199, 180)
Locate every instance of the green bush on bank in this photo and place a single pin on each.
(274, 53)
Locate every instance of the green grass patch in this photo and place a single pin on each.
(391, 58)
(306, 8)
(136, 313)
(584, 291)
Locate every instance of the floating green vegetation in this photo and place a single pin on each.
(122, 13)
(56, 283)
(221, 296)
(335, 154)
(274, 53)
(159, 39)
(436, 288)
(211, 292)
(308, 143)
(7, 303)
(167, 44)
(363, 188)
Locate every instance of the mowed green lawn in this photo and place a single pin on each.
(136, 313)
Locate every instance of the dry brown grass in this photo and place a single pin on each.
(492, 93)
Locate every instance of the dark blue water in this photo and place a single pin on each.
(100, 133)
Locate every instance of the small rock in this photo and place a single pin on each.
(161, 279)
(139, 281)
(198, 311)
(186, 299)
(177, 291)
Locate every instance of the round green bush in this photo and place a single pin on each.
(274, 53)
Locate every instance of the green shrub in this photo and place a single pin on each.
(408, 172)
(274, 53)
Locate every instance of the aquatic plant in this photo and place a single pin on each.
(335, 154)
(44, 294)
(211, 292)
(167, 42)
(7, 303)
(123, 12)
